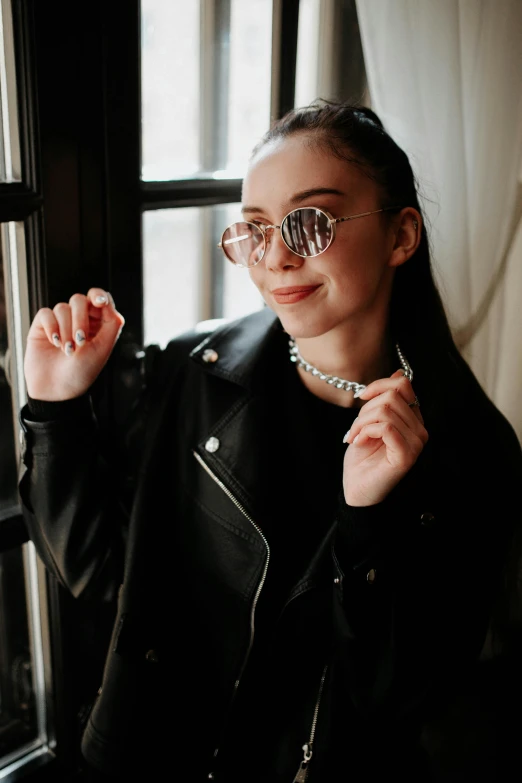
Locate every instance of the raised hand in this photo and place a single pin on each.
(68, 346)
(385, 440)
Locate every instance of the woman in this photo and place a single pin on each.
(311, 523)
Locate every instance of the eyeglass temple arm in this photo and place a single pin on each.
(362, 214)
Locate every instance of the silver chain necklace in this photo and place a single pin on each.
(333, 380)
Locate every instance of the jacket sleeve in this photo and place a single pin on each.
(76, 489)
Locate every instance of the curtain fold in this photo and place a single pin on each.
(446, 80)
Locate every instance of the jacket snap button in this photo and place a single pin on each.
(427, 519)
(212, 444)
(370, 576)
(152, 656)
(209, 355)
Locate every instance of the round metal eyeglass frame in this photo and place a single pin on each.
(264, 228)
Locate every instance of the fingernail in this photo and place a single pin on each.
(80, 336)
(356, 439)
(101, 300)
(358, 393)
(345, 439)
(69, 348)
(56, 340)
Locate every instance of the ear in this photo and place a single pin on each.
(407, 229)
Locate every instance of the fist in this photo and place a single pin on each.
(68, 346)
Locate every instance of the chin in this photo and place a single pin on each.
(301, 327)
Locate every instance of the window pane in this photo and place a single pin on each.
(171, 260)
(10, 170)
(307, 66)
(250, 70)
(170, 88)
(8, 468)
(25, 675)
(186, 277)
(240, 296)
(205, 93)
(18, 712)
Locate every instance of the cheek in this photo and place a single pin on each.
(359, 271)
(256, 276)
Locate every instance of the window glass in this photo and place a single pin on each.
(18, 711)
(307, 63)
(240, 296)
(170, 88)
(206, 81)
(186, 277)
(171, 272)
(9, 137)
(8, 469)
(250, 67)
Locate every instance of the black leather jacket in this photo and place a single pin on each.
(397, 648)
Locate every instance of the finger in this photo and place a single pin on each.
(103, 314)
(402, 446)
(45, 326)
(79, 305)
(397, 381)
(390, 399)
(388, 407)
(62, 312)
(98, 297)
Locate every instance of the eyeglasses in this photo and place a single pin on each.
(306, 231)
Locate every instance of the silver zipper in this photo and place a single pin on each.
(241, 508)
(302, 772)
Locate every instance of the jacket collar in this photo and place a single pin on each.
(235, 347)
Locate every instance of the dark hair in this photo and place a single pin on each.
(356, 134)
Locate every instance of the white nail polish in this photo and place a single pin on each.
(356, 439)
(80, 336)
(101, 300)
(345, 439)
(69, 348)
(56, 340)
(357, 394)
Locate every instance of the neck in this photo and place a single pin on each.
(354, 355)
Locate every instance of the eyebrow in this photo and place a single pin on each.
(303, 195)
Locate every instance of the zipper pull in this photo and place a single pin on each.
(302, 772)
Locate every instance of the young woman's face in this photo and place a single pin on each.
(351, 280)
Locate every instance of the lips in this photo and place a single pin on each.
(293, 293)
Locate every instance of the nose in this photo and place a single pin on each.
(278, 256)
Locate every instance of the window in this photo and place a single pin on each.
(24, 732)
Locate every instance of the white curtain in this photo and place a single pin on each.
(446, 79)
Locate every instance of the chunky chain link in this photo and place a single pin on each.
(333, 380)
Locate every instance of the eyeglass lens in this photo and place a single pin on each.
(305, 231)
(243, 244)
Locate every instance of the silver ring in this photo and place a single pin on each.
(414, 403)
